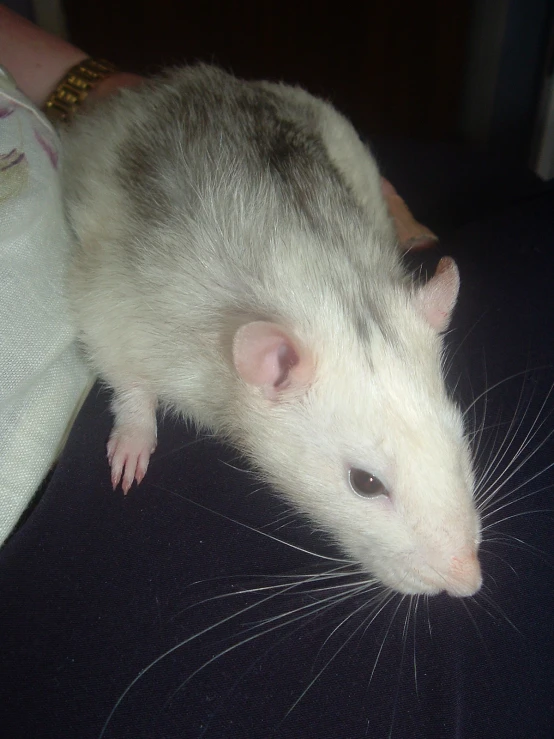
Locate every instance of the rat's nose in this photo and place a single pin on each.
(464, 576)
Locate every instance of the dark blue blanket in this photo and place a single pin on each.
(209, 612)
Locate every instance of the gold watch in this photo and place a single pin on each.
(74, 88)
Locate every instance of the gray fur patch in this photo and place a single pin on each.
(237, 123)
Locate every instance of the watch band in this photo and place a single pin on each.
(74, 88)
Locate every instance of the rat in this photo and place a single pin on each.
(235, 263)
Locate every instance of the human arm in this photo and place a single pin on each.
(38, 60)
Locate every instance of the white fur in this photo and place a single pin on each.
(231, 236)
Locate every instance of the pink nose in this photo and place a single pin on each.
(464, 577)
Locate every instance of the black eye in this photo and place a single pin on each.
(365, 484)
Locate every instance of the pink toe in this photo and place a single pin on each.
(129, 453)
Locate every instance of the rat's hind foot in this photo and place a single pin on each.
(129, 449)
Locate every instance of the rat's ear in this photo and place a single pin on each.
(265, 355)
(437, 298)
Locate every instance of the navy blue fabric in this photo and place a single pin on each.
(95, 588)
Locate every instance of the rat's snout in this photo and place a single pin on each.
(464, 575)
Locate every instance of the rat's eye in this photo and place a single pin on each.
(365, 484)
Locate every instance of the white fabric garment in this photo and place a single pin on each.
(42, 376)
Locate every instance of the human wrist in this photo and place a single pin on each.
(36, 59)
(75, 87)
(39, 61)
(89, 80)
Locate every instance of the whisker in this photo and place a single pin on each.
(485, 408)
(338, 651)
(484, 502)
(504, 561)
(516, 543)
(379, 597)
(476, 627)
(523, 513)
(245, 470)
(497, 459)
(386, 634)
(158, 456)
(249, 591)
(252, 528)
(416, 604)
(402, 657)
(181, 644)
(499, 610)
(452, 355)
(253, 665)
(499, 508)
(506, 379)
(316, 608)
(312, 607)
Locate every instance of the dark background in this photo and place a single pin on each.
(428, 69)
(472, 71)
(392, 66)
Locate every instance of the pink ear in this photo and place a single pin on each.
(266, 356)
(437, 298)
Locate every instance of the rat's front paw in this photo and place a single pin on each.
(129, 449)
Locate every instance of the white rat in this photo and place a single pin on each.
(235, 262)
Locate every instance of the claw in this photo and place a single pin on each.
(128, 452)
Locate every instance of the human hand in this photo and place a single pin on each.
(411, 234)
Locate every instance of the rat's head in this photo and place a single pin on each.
(366, 441)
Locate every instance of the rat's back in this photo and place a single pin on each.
(200, 202)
